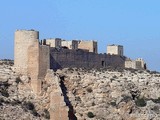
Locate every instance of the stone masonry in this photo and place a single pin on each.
(135, 64)
(23, 39)
(88, 45)
(115, 50)
(36, 59)
(33, 59)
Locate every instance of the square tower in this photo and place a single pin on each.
(73, 44)
(115, 50)
(88, 45)
(53, 42)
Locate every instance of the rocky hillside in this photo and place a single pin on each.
(112, 94)
(17, 101)
(105, 94)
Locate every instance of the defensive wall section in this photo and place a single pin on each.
(31, 58)
(135, 64)
(62, 58)
(23, 39)
(35, 58)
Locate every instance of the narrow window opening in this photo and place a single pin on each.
(103, 64)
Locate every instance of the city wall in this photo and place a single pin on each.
(33, 60)
(61, 58)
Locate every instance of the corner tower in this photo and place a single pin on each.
(31, 58)
(23, 40)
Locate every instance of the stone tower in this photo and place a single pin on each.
(23, 40)
(115, 50)
(31, 58)
(91, 46)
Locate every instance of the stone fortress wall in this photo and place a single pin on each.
(139, 63)
(82, 53)
(23, 39)
(57, 53)
(62, 58)
(30, 57)
(34, 58)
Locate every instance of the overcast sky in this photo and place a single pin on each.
(135, 24)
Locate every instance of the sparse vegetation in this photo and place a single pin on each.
(28, 105)
(1, 101)
(4, 92)
(46, 114)
(156, 100)
(18, 80)
(6, 62)
(78, 98)
(154, 72)
(90, 115)
(4, 85)
(34, 112)
(93, 104)
(126, 98)
(113, 104)
(89, 89)
(140, 102)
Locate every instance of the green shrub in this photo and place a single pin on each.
(1, 101)
(113, 104)
(140, 102)
(93, 104)
(4, 85)
(89, 89)
(78, 98)
(18, 80)
(47, 115)
(156, 100)
(126, 98)
(34, 112)
(28, 105)
(90, 115)
(4, 93)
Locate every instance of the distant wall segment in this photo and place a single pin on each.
(83, 59)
